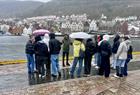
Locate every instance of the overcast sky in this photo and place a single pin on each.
(31, 0)
(38, 0)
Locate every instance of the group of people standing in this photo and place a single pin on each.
(43, 54)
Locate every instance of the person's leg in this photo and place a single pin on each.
(114, 62)
(101, 69)
(107, 67)
(99, 60)
(44, 61)
(80, 67)
(86, 64)
(57, 65)
(125, 67)
(117, 67)
(67, 59)
(122, 68)
(32, 63)
(89, 64)
(37, 63)
(48, 66)
(53, 65)
(73, 66)
(40, 64)
(63, 59)
(95, 58)
(28, 63)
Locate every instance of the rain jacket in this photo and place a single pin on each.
(76, 47)
(122, 50)
(116, 44)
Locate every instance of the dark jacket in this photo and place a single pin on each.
(29, 49)
(129, 53)
(54, 44)
(105, 49)
(116, 44)
(41, 49)
(66, 45)
(90, 47)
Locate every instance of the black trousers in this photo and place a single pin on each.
(87, 63)
(65, 54)
(105, 66)
(40, 64)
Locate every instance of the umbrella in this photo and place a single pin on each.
(80, 35)
(41, 32)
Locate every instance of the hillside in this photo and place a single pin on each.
(13, 8)
(93, 8)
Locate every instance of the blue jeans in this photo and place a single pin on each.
(120, 66)
(75, 61)
(30, 62)
(55, 64)
(125, 66)
(114, 62)
(96, 58)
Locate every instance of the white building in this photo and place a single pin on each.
(93, 26)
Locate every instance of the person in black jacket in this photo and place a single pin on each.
(29, 49)
(115, 49)
(42, 54)
(89, 51)
(105, 49)
(55, 47)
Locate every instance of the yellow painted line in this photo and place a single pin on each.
(136, 53)
(24, 61)
(12, 62)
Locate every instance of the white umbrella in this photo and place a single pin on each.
(80, 35)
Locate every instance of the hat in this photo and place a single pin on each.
(106, 37)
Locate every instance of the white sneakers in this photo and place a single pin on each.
(116, 76)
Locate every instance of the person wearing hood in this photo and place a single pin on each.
(121, 57)
(41, 51)
(66, 47)
(78, 49)
(129, 55)
(105, 49)
(115, 49)
(55, 47)
(46, 40)
(90, 49)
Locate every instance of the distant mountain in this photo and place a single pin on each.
(13, 8)
(94, 8)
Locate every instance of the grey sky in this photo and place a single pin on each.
(38, 0)
(30, 0)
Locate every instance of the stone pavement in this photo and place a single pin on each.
(14, 81)
(95, 85)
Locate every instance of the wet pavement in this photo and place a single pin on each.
(14, 80)
(95, 85)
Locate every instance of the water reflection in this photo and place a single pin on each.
(35, 79)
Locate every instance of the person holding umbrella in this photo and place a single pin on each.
(79, 51)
